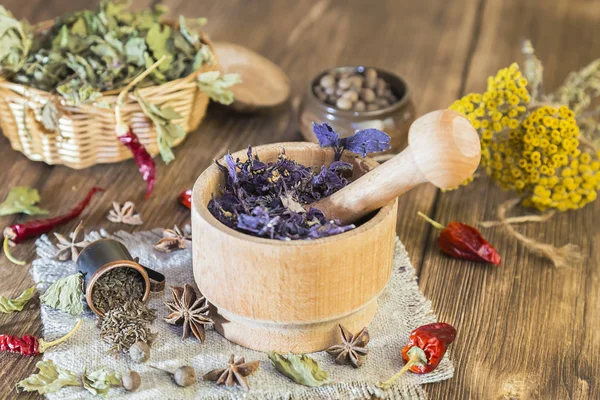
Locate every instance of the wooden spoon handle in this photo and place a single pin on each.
(444, 149)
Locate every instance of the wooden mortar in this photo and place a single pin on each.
(291, 295)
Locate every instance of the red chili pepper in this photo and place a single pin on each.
(426, 347)
(142, 158)
(18, 232)
(185, 198)
(30, 345)
(460, 240)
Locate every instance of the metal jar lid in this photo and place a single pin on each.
(104, 255)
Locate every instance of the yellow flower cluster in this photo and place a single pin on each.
(535, 153)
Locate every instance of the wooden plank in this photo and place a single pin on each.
(526, 329)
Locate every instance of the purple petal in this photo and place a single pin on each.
(325, 134)
(366, 141)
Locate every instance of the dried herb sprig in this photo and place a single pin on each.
(50, 378)
(21, 199)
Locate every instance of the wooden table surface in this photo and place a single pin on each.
(526, 329)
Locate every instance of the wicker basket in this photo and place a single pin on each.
(86, 134)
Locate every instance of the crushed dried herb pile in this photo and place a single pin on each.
(266, 199)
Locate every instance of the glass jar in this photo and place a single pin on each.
(394, 119)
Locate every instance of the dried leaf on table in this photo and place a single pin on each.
(300, 368)
(236, 373)
(65, 294)
(22, 199)
(173, 239)
(68, 248)
(189, 310)
(100, 381)
(353, 348)
(216, 85)
(167, 131)
(125, 214)
(8, 306)
(49, 379)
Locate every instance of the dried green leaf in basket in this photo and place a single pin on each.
(49, 379)
(100, 381)
(65, 294)
(8, 306)
(300, 368)
(91, 51)
(215, 85)
(22, 199)
(167, 131)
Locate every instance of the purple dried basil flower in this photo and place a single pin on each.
(325, 134)
(366, 141)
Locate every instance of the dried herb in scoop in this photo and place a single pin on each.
(268, 199)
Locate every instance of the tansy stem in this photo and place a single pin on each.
(413, 360)
(46, 345)
(431, 221)
(123, 93)
(7, 252)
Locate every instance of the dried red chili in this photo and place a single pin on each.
(460, 240)
(185, 198)
(30, 345)
(18, 232)
(129, 139)
(426, 347)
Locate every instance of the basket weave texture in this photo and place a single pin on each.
(86, 133)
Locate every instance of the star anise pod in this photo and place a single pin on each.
(125, 214)
(173, 239)
(189, 310)
(236, 373)
(353, 348)
(68, 247)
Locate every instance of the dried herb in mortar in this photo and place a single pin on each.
(268, 199)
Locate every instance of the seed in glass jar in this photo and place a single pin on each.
(350, 95)
(343, 104)
(356, 81)
(372, 107)
(340, 91)
(330, 90)
(345, 74)
(344, 83)
(360, 106)
(327, 81)
(371, 74)
(367, 95)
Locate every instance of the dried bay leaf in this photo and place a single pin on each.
(300, 368)
(8, 306)
(65, 294)
(49, 379)
(100, 381)
(22, 199)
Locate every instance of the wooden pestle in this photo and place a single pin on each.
(443, 149)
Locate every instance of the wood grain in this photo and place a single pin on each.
(526, 330)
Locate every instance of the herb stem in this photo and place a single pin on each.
(413, 360)
(435, 224)
(46, 345)
(10, 257)
(123, 93)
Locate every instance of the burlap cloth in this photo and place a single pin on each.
(401, 309)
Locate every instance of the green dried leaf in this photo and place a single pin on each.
(215, 85)
(76, 92)
(167, 130)
(15, 42)
(100, 381)
(48, 116)
(65, 294)
(22, 199)
(191, 36)
(158, 41)
(49, 379)
(8, 306)
(204, 56)
(135, 48)
(300, 368)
